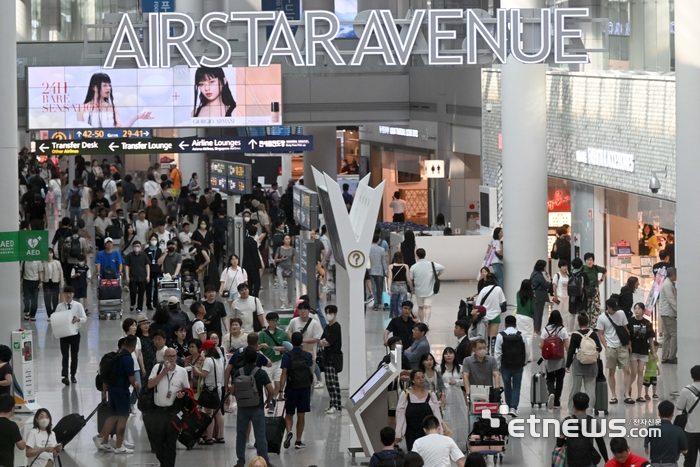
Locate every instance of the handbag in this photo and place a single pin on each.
(320, 361)
(257, 327)
(559, 456)
(436, 286)
(287, 273)
(227, 292)
(446, 429)
(209, 398)
(682, 418)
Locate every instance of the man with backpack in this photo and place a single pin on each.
(297, 378)
(117, 374)
(248, 384)
(237, 360)
(388, 456)
(62, 234)
(512, 352)
(562, 245)
(576, 288)
(582, 361)
(74, 199)
(615, 337)
(580, 451)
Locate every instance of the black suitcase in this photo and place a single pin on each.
(109, 293)
(275, 426)
(102, 416)
(69, 426)
(196, 426)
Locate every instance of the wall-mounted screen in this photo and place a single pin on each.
(179, 97)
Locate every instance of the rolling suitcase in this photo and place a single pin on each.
(601, 396)
(275, 427)
(196, 426)
(102, 416)
(538, 389)
(69, 426)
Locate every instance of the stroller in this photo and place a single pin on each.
(190, 288)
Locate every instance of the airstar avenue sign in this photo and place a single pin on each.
(380, 36)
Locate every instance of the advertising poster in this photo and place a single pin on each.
(179, 97)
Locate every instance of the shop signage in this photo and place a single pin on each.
(434, 169)
(381, 36)
(256, 144)
(390, 130)
(24, 245)
(606, 158)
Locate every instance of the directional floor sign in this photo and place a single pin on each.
(258, 144)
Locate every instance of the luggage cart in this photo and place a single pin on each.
(109, 298)
(483, 437)
(168, 288)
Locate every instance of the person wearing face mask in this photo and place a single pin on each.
(70, 345)
(332, 344)
(42, 447)
(171, 262)
(138, 274)
(154, 255)
(480, 369)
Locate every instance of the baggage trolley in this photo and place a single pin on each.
(109, 298)
(167, 289)
(483, 437)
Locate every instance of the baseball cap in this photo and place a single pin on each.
(108, 239)
(208, 344)
(480, 309)
(255, 203)
(173, 301)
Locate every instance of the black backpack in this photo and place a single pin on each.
(575, 287)
(75, 248)
(397, 460)
(108, 367)
(513, 351)
(91, 180)
(74, 198)
(300, 375)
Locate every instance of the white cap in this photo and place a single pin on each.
(108, 239)
(173, 300)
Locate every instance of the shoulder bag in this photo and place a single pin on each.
(209, 397)
(682, 418)
(436, 285)
(257, 327)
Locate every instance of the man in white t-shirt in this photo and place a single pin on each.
(142, 228)
(199, 331)
(617, 355)
(423, 277)
(437, 450)
(185, 237)
(246, 308)
(312, 331)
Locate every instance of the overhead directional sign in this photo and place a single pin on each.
(118, 133)
(259, 144)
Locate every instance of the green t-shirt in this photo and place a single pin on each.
(527, 310)
(593, 272)
(264, 338)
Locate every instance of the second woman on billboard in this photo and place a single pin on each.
(212, 95)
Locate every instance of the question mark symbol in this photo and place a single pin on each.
(357, 258)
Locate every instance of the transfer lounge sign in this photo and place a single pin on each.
(24, 245)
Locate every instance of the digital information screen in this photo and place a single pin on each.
(232, 178)
(179, 97)
(369, 384)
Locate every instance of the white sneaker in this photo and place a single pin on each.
(249, 446)
(106, 448)
(513, 412)
(332, 411)
(550, 402)
(127, 444)
(123, 450)
(97, 439)
(318, 385)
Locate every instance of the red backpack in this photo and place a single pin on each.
(553, 348)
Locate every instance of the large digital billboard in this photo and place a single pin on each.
(179, 97)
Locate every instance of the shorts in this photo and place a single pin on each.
(297, 400)
(496, 320)
(119, 403)
(639, 357)
(424, 301)
(80, 292)
(618, 357)
(275, 371)
(650, 381)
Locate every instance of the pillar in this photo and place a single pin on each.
(687, 186)
(524, 126)
(9, 272)
(324, 157)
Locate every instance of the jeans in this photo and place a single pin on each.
(555, 383)
(136, 291)
(164, 436)
(51, 291)
(31, 297)
(317, 371)
(70, 346)
(74, 214)
(498, 271)
(255, 416)
(511, 383)
(321, 313)
(377, 289)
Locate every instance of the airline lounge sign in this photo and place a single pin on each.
(380, 36)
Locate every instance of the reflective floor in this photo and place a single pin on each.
(327, 437)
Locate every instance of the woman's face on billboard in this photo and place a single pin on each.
(105, 90)
(210, 87)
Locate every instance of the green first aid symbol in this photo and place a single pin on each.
(24, 336)
(16, 345)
